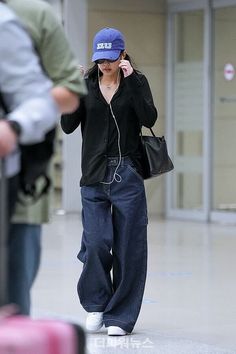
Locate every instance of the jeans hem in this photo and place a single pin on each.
(126, 327)
(93, 308)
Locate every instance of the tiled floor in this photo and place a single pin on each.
(189, 305)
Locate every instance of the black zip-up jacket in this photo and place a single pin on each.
(133, 108)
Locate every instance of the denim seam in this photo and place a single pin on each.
(135, 173)
(143, 276)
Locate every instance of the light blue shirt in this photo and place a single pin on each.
(24, 87)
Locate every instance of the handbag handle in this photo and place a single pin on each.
(150, 131)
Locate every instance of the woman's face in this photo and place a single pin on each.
(108, 67)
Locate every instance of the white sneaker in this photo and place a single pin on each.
(116, 331)
(94, 321)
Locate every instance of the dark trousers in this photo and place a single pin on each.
(12, 189)
(8, 193)
(21, 256)
(114, 246)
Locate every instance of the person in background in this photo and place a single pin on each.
(61, 66)
(26, 93)
(114, 214)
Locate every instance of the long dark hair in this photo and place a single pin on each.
(91, 72)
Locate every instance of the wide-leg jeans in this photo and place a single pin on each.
(114, 246)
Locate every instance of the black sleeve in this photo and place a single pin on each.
(142, 99)
(69, 122)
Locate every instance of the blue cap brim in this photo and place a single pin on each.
(109, 55)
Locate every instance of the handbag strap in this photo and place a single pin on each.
(150, 131)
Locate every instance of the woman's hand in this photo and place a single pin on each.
(8, 310)
(81, 70)
(8, 138)
(126, 67)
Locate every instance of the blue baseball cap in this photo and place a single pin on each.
(107, 44)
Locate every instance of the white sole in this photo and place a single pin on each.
(116, 331)
(94, 329)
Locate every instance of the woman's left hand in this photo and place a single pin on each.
(126, 67)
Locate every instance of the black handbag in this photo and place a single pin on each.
(155, 158)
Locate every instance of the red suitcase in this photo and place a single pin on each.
(22, 335)
(15, 340)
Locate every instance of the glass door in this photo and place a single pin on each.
(224, 114)
(187, 113)
(201, 111)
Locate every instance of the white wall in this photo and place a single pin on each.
(75, 21)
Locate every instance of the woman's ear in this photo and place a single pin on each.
(123, 54)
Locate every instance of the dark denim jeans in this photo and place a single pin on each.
(114, 246)
(24, 261)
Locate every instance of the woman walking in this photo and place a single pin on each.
(114, 216)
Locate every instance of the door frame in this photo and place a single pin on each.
(222, 216)
(206, 214)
